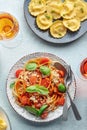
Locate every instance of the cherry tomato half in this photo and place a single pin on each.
(44, 115)
(45, 82)
(18, 72)
(61, 73)
(24, 100)
(60, 101)
(33, 79)
(38, 105)
(44, 60)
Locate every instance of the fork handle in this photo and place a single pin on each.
(65, 112)
(74, 108)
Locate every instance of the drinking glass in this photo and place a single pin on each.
(10, 32)
(82, 69)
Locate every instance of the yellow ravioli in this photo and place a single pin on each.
(54, 9)
(51, 1)
(37, 7)
(49, 13)
(66, 8)
(58, 30)
(80, 8)
(70, 15)
(72, 24)
(44, 21)
(3, 124)
(71, 0)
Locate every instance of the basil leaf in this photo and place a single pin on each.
(45, 70)
(35, 111)
(31, 66)
(37, 88)
(61, 88)
(42, 109)
(12, 84)
(32, 110)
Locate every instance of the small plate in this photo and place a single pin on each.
(5, 117)
(69, 37)
(11, 77)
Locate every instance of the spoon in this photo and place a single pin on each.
(68, 80)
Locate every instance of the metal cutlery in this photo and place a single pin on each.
(68, 80)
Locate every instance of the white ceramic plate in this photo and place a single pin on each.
(5, 117)
(11, 77)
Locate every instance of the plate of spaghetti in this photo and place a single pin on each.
(36, 89)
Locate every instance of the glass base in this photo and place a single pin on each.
(14, 42)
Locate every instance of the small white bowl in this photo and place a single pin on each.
(5, 116)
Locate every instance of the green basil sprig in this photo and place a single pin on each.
(32, 110)
(42, 109)
(36, 112)
(37, 88)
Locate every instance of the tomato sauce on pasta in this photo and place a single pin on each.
(36, 87)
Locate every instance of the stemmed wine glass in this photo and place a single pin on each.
(82, 69)
(10, 32)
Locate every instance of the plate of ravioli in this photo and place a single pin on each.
(56, 21)
(36, 89)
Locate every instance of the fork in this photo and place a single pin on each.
(74, 108)
(68, 81)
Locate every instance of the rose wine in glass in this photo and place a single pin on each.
(10, 35)
(83, 68)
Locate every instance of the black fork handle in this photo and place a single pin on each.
(74, 108)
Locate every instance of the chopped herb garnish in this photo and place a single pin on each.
(64, 14)
(47, 16)
(74, 5)
(59, 34)
(68, 25)
(82, 11)
(39, 2)
(52, 11)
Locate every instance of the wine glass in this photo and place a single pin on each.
(10, 33)
(82, 69)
